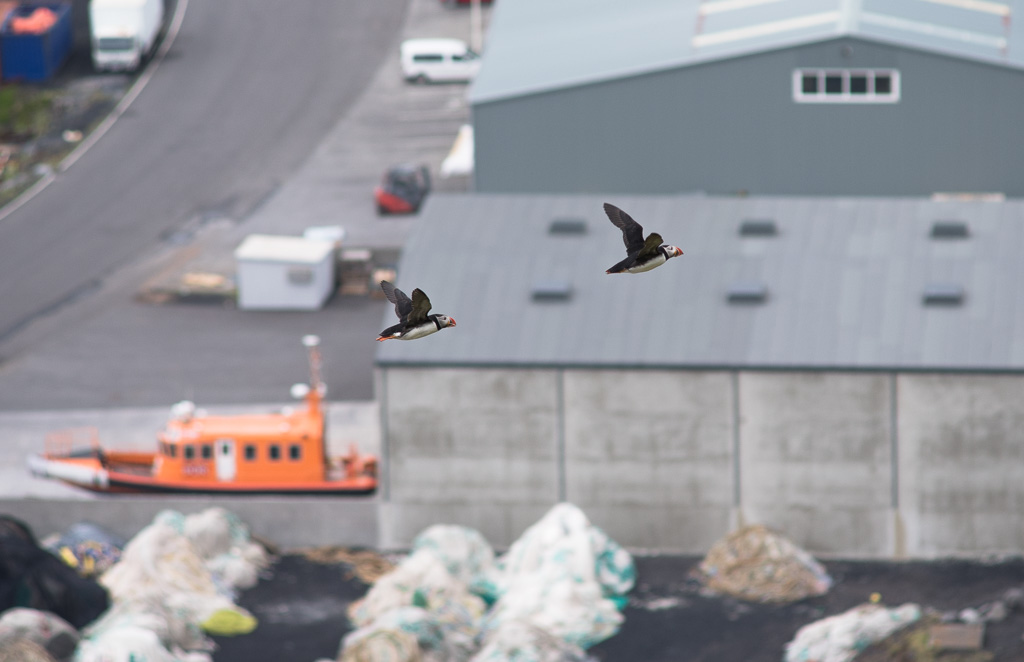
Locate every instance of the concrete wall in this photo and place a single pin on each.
(961, 461)
(863, 464)
(649, 455)
(732, 125)
(471, 447)
(816, 458)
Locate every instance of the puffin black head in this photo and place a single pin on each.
(445, 321)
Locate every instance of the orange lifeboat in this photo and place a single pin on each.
(273, 453)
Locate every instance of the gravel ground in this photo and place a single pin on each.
(301, 609)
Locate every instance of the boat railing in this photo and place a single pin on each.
(72, 441)
(352, 464)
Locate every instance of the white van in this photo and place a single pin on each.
(440, 60)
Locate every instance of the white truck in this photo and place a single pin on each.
(123, 32)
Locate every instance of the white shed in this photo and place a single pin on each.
(284, 273)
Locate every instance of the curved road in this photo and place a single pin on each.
(243, 96)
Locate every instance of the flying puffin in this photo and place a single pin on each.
(412, 314)
(641, 255)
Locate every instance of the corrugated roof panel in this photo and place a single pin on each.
(845, 285)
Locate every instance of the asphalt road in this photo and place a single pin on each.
(243, 96)
(101, 347)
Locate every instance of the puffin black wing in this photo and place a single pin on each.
(632, 232)
(654, 241)
(403, 305)
(419, 309)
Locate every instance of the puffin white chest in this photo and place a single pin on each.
(419, 331)
(655, 261)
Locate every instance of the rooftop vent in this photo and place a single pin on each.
(943, 294)
(747, 292)
(758, 227)
(949, 230)
(552, 290)
(568, 226)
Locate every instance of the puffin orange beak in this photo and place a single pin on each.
(452, 320)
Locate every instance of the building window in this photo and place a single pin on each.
(846, 86)
(250, 452)
(275, 452)
(295, 452)
(207, 451)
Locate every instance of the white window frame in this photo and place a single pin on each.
(799, 96)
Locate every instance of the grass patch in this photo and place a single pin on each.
(25, 112)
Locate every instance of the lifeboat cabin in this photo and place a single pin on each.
(272, 451)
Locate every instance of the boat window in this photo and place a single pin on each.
(275, 452)
(207, 451)
(295, 452)
(190, 452)
(250, 452)
(172, 450)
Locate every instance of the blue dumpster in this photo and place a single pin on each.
(34, 56)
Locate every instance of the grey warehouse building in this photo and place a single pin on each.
(849, 371)
(794, 97)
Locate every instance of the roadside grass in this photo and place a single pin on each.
(40, 126)
(25, 113)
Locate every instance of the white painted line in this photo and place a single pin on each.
(765, 29)
(119, 109)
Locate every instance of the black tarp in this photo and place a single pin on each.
(32, 577)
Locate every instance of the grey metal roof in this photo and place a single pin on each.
(538, 45)
(845, 279)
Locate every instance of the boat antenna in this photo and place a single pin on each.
(312, 344)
